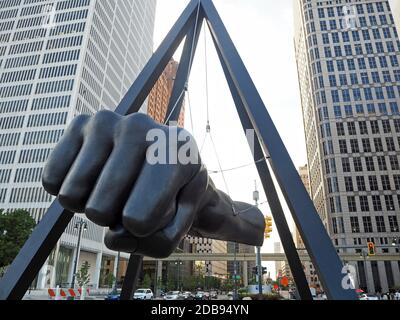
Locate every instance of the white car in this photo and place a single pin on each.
(143, 294)
(367, 297)
(173, 295)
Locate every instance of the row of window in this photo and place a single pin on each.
(353, 146)
(24, 61)
(367, 35)
(47, 119)
(12, 106)
(55, 102)
(360, 182)
(381, 225)
(9, 139)
(64, 42)
(14, 122)
(361, 110)
(16, 91)
(25, 195)
(362, 62)
(371, 164)
(364, 204)
(34, 155)
(368, 127)
(28, 175)
(340, 11)
(336, 24)
(61, 56)
(372, 77)
(5, 176)
(26, 47)
(54, 86)
(365, 94)
(58, 71)
(17, 76)
(333, 184)
(7, 157)
(42, 137)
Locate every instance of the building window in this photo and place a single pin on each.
(343, 147)
(385, 182)
(355, 226)
(377, 203)
(389, 201)
(393, 223)
(369, 162)
(361, 183)
(367, 225)
(349, 184)
(364, 203)
(351, 202)
(373, 183)
(346, 165)
(357, 164)
(380, 224)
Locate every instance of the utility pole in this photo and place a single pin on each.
(256, 198)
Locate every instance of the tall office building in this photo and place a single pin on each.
(309, 269)
(348, 66)
(395, 5)
(61, 58)
(161, 93)
(243, 268)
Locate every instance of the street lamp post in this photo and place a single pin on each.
(235, 273)
(81, 226)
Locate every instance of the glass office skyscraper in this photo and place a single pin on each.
(58, 59)
(348, 65)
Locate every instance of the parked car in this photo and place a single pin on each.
(113, 296)
(214, 294)
(143, 294)
(207, 296)
(366, 297)
(199, 295)
(173, 295)
(187, 295)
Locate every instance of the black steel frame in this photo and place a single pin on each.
(253, 115)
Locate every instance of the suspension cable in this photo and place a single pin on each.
(206, 77)
(190, 111)
(239, 167)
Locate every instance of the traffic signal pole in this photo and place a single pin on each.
(256, 197)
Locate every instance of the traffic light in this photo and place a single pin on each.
(371, 249)
(255, 270)
(268, 227)
(264, 270)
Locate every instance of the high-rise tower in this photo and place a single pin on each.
(58, 59)
(348, 65)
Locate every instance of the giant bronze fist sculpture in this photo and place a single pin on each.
(100, 168)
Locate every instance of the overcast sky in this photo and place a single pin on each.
(263, 34)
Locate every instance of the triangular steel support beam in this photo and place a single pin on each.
(253, 115)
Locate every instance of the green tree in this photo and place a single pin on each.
(146, 283)
(83, 276)
(15, 228)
